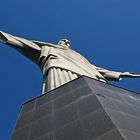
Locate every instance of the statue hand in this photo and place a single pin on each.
(3, 39)
(129, 74)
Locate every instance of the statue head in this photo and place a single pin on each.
(64, 43)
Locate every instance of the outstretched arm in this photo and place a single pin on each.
(116, 76)
(26, 47)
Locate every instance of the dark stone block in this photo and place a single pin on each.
(22, 134)
(28, 106)
(48, 136)
(82, 91)
(112, 88)
(83, 109)
(137, 101)
(62, 101)
(60, 91)
(65, 116)
(44, 110)
(137, 109)
(97, 123)
(119, 106)
(72, 131)
(109, 93)
(44, 99)
(92, 83)
(127, 99)
(25, 119)
(134, 95)
(126, 108)
(129, 135)
(78, 83)
(120, 120)
(41, 127)
(88, 105)
(108, 102)
(135, 123)
(111, 135)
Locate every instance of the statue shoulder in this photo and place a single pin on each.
(40, 43)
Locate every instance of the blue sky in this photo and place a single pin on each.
(106, 32)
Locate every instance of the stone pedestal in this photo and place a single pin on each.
(83, 109)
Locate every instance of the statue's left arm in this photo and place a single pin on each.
(116, 76)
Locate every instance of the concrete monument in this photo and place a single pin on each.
(59, 63)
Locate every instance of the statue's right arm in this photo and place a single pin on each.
(26, 47)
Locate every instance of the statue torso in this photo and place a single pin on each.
(66, 59)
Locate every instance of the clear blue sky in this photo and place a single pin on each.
(106, 32)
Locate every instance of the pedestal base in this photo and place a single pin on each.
(83, 109)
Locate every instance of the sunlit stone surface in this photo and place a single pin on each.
(59, 63)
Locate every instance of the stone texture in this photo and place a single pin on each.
(84, 109)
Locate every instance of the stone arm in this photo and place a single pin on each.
(116, 76)
(28, 48)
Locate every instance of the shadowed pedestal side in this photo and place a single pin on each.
(83, 109)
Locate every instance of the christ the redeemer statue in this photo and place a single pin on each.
(59, 63)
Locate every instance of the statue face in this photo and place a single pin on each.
(64, 43)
